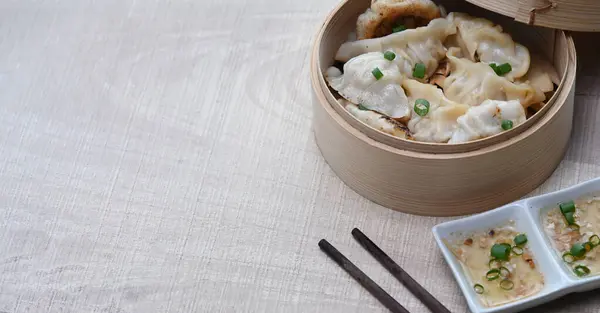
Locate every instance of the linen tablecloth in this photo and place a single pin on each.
(158, 156)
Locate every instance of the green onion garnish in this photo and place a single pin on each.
(398, 28)
(501, 251)
(492, 274)
(389, 55)
(578, 250)
(377, 73)
(570, 218)
(507, 124)
(419, 70)
(504, 68)
(507, 284)
(574, 227)
(517, 250)
(478, 288)
(495, 263)
(501, 69)
(421, 107)
(494, 67)
(595, 240)
(568, 258)
(581, 270)
(362, 107)
(504, 272)
(567, 207)
(520, 239)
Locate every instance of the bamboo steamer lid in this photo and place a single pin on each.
(575, 15)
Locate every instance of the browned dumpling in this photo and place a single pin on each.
(384, 15)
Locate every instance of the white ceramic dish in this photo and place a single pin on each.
(526, 214)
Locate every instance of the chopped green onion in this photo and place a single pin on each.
(578, 250)
(377, 73)
(389, 55)
(478, 288)
(362, 107)
(520, 239)
(567, 207)
(517, 250)
(495, 263)
(568, 258)
(504, 68)
(501, 69)
(595, 240)
(507, 124)
(419, 70)
(398, 28)
(492, 274)
(581, 270)
(570, 218)
(421, 107)
(504, 272)
(501, 251)
(574, 227)
(507, 284)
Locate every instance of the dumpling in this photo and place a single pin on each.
(472, 83)
(483, 41)
(377, 121)
(412, 46)
(383, 15)
(541, 76)
(358, 84)
(486, 120)
(439, 124)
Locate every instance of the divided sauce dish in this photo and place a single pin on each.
(528, 217)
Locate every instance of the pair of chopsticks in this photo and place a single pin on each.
(417, 290)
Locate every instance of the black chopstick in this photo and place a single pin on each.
(362, 278)
(417, 290)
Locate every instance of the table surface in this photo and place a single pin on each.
(158, 156)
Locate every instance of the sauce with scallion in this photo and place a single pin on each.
(573, 227)
(497, 274)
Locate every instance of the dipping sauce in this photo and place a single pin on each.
(498, 264)
(573, 228)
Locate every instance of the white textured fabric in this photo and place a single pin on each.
(158, 156)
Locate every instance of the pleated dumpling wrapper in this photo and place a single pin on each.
(486, 120)
(440, 121)
(380, 19)
(472, 83)
(542, 76)
(420, 45)
(360, 83)
(483, 41)
(376, 120)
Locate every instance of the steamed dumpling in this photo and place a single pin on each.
(358, 84)
(483, 41)
(377, 121)
(412, 46)
(486, 120)
(384, 15)
(441, 121)
(541, 76)
(472, 83)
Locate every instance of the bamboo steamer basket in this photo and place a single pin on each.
(443, 179)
